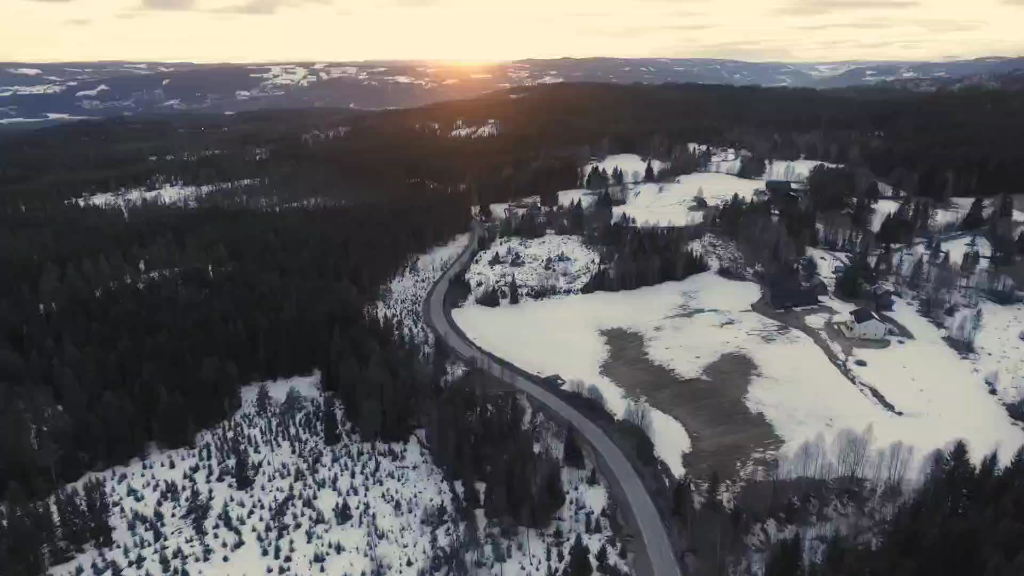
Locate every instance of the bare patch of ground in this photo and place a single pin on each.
(725, 435)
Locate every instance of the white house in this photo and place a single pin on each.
(861, 323)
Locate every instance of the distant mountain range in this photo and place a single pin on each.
(41, 93)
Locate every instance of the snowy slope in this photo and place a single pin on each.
(400, 502)
(403, 297)
(395, 483)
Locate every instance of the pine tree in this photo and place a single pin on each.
(579, 559)
(572, 455)
(197, 512)
(263, 399)
(975, 217)
(513, 291)
(602, 555)
(330, 422)
(97, 509)
(649, 172)
(243, 479)
(787, 560)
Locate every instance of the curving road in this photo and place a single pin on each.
(659, 560)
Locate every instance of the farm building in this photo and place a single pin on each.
(861, 323)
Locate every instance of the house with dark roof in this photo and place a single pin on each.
(786, 291)
(861, 323)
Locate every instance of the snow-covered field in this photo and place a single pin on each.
(935, 388)
(1000, 349)
(796, 387)
(546, 265)
(167, 194)
(673, 203)
(727, 161)
(289, 522)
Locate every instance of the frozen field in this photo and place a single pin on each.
(687, 325)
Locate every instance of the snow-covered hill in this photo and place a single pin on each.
(54, 92)
(346, 509)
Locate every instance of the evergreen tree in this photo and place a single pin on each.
(241, 474)
(579, 559)
(649, 172)
(975, 217)
(97, 510)
(513, 291)
(197, 512)
(330, 422)
(572, 454)
(787, 560)
(263, 398)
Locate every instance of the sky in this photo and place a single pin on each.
(493, 30)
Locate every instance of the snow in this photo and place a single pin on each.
(1000, 350)
(792, 170)
(795, 386)
(403, 297)
(956, 249)
(38, 89)
(25, 71)
(550, 264)
(406, 475)
(632, 166)
(167, 194)
(461, 130)
(281, 75)
(94, 92)
(727, 161)
(670, 204)
(883, 208)
(928, 381)
(49, 116)
(586, 197)
(393, 490)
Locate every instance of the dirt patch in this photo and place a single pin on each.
(725, 434)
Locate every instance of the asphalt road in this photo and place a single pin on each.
(660, 560)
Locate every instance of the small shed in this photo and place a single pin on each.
(861, 323)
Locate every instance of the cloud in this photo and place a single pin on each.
(78, 21)
(168, 4)
(931, 25)
(53, 1)
(811, 7)
(263, 7)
